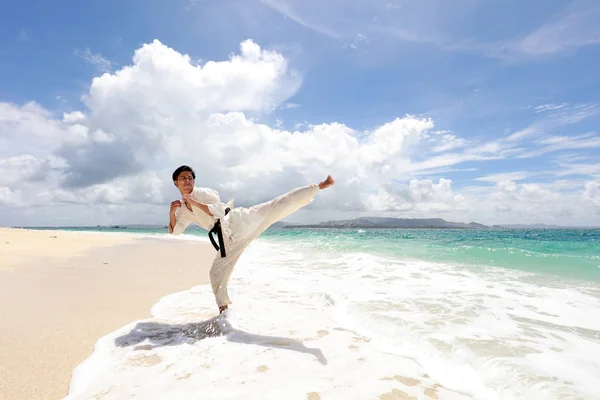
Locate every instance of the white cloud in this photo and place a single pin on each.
(162, 111)
(507, 176)
(448, 27)
(572, 28)
(579, 169)
(522, 134)
(440, 171)
(447, 141)
(123, 148)
(286, 8)
(549, 107)
(507, 201)
(163, 102)
(551, 116)
(449, 159)
(518, 144)
(577, 26)
(29, 129)
(146, 188)
(16, 170)
(95, 59)
(255, 79)
(592, 193)
(392, 139)
(359, 41)
(528, 193)
(560, 143)
(10, 198)
(421, 196)
(562, 140)
(74, 117)
(570, 158)
(354, 22)
(288, 106)
(567, 114)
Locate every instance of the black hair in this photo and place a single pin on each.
(181, 169)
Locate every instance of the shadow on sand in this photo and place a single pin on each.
(172, 335)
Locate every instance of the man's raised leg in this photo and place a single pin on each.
(255, 220)
(288, 203)
(248, 224)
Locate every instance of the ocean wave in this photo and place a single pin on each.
(309, 324)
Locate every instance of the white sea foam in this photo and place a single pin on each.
(355, 326)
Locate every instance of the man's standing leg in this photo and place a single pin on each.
(221, 269)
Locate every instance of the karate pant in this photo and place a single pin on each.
(245, 225)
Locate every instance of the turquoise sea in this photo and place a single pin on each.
(569, 253)
(566, 253)
(373, 314)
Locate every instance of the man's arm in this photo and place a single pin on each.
(172, 218)
(176, 226)
(208, 201)
(201, 206)
(172, 223)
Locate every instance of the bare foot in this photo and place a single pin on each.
(327, 183)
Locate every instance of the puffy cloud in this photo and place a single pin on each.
(28, 129)
(162, 103)
(162, 111)
(97, 60)
(511, 202)
(423, 196)
(10, 198)
(592, 193)
(447, 141)
(112, 161)
(530, 193)
(24, 168)
(74, 117)
(168, 83)
(505, 177)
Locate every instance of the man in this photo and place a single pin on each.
(236, 227)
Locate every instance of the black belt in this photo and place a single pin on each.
(217, 229)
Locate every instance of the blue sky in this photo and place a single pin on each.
(481, 71)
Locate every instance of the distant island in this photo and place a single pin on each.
(406, 223)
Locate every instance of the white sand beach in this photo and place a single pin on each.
(117, 316)
(62, 291)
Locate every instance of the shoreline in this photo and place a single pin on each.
(61, 291)
(292, 315)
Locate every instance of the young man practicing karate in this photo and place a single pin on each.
(234, 227)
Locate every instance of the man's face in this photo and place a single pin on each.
(185, 182)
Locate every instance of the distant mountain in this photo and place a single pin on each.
(281, 225)
(527, 226)
(380, 222)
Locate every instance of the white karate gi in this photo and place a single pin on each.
(240, 226)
